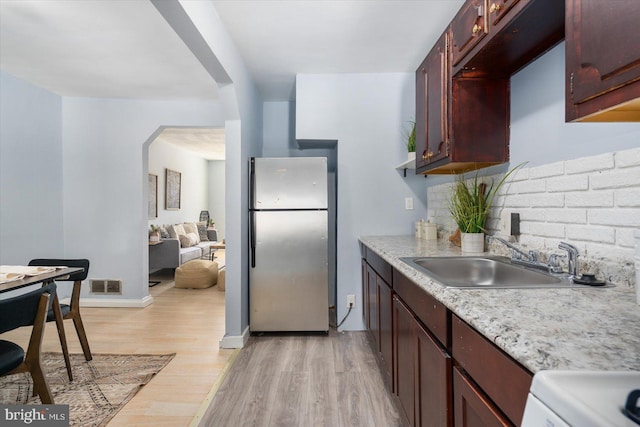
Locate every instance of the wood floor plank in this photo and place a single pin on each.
(308, 380)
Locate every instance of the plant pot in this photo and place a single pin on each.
(154, 237)
(411, 155)
(472, 242)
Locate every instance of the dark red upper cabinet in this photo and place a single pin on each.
(514, 33)
(602, 60)
(467, 29)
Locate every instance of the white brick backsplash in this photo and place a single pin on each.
(543, 229)
(615, 217)
(570, 216)
(589, 164)
(555, 200)
(615, 179)
(625, 237)
(523, 187)
(591, 233)
(628, 197)
(520, 175)
(545, 171)
(568, 183)
(532, 214)
(595, 199)
(591, 202)
(628, 158)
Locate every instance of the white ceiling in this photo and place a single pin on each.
(279, 39)
(125, 49)
(205, 142)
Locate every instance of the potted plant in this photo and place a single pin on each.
(154, 235)
(469, 205)
(411, 142)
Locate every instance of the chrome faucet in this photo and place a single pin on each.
(573, 257)
(518, 254)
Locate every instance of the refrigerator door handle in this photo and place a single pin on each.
(252, 232)
(252, 183)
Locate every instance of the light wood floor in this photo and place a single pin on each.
(188, 322)
(304, 380)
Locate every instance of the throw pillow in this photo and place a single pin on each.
(202, 231)
(193, 238)
(178, 230)
(185, 241)
(163, 232)
(191, 228)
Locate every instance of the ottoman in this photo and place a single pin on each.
(221, 280)
(198, 273)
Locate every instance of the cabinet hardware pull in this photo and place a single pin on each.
(494, 8)
(476, 28)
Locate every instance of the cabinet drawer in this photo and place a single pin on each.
(505, 381)
(430, 311)
(382, 267)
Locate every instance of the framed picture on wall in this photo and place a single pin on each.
(172, 190)
(153, 196)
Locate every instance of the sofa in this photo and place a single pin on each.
(176, 247)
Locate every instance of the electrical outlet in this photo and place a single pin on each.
(351, 300)
(408, 203)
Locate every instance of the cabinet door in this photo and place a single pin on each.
(603, 53)
(432, 95)
(433, 381)
(498, 9)
(471, 407)
(365, 294)
(467, 29)
(374, 325)
(403, 358)
(386, 324)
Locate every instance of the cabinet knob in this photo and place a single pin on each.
(427, 155)
(476, 28)
(494, 7)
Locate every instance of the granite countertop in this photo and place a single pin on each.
(586, 328)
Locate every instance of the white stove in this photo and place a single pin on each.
(581, 399)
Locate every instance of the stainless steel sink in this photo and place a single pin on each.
(480, 272)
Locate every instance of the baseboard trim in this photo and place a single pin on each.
(235, 341)
(113, 302)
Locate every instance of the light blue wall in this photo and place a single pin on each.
(243, 139)
(30, 172)
(194, 182)
(216, 194)
(366, 112)
(368, 115)
(105, 180)
(539, 133)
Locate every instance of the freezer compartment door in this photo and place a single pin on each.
(288, 280)
(289, 183)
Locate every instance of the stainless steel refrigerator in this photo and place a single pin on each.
(288, 278)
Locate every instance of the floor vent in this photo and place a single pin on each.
(111, 287)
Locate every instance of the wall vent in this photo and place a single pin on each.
(106, 286)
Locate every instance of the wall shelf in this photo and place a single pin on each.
(409, 164)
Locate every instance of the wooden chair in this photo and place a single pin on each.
(29, 309)
(71, 310)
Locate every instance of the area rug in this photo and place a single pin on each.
(100, 387)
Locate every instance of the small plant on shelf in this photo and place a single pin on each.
(411, 138)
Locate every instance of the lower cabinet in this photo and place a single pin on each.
(422, 370)
(443, 371)
(471, 406)
(377, 315)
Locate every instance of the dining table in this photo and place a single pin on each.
(17, 277)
